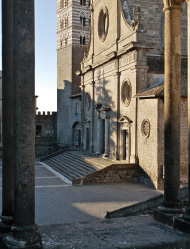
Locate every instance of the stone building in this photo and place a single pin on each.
(122, 83)
(46, 133)
(72, 38)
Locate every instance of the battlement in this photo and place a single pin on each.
(46, 113)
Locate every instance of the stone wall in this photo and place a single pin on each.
(64, 91)
(46, 126)
(148, 145)
(152, 19)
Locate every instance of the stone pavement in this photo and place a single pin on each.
(57, 202)
(73, 216)
(130, 233)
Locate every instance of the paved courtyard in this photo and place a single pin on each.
(58, 202)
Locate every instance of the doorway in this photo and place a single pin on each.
(126, 145)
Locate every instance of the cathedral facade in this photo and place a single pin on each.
(122, 82)
(119, 110)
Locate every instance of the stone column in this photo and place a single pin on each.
(7, 116)
(172, 106)
(98, 136)
(187, 213)
(106, 154)
(24, 229)
(85, 145)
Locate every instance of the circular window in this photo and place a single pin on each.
(103, 23)
(126, 92)
(87, 101)
(145, 127)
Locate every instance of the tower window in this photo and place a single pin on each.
(82, 21)
(66, 42)
(82, 40)
(82, 2)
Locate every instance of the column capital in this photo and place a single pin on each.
(173, 4)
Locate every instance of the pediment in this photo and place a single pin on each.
(125, 119)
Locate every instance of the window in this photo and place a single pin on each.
(66, 22)
(82, 2)
(103, 23)
(61, 24)
(38, 130)
(82, 21)
(66, 42)
(82, 40)
(126, 93)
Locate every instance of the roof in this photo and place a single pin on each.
(156, 64)
(157, 90)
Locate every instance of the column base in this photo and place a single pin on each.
(186, 215)
(106, 155)
(6, 224)
(171, 207)
(32, 241)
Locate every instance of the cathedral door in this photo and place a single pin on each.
(126, 145)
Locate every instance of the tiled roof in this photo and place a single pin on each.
(156, 64)
(157, 90)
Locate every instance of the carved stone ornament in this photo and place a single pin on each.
(145, 127)
(173, 3)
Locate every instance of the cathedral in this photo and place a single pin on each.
(111, 81)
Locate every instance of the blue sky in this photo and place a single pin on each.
(46, 56)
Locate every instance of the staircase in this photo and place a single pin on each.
(84, 168)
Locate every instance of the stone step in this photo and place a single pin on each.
(85, 168)
(62, 169)
(71, 166)
(76, 160)
(79, 167)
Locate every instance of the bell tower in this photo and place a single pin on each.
(73, 29)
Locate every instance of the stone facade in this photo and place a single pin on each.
(46, 133)
(122, 78)
(72, 39)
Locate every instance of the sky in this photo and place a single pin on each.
(46, 55)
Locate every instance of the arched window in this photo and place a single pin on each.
(83, 40)
(163, 30)
(61, 43)
(66, 42)
(61, 24)
(66, 3)
(82, 2)
(61, 4)
(80, 39)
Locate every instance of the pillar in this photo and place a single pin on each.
(7, 117)
(187, 213)
(85, 136)
(172, 106)
(106, 154)
(98, 136)
(24, 233)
